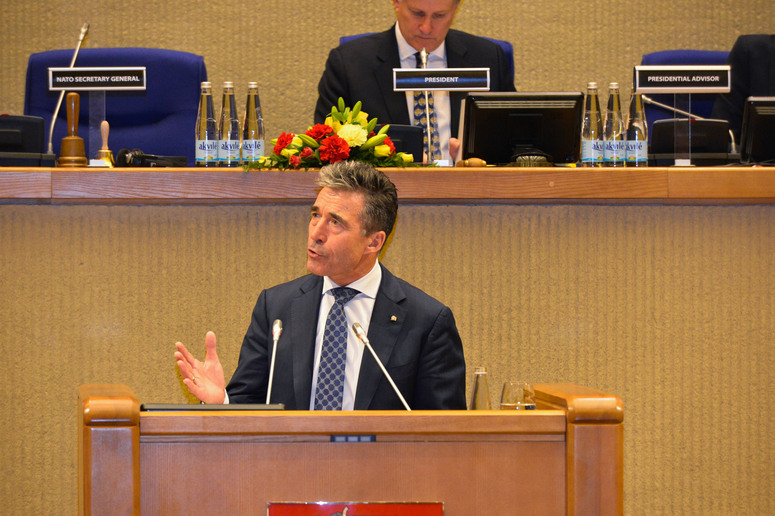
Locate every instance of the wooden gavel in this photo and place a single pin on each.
(72, 152)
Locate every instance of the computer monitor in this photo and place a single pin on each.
(501, 127)
(21, 134)
(757, 136)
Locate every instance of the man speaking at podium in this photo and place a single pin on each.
(363, 69)
(320, 363)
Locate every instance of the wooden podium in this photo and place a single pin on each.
(565, 458)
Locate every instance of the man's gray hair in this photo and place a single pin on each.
(379, 192)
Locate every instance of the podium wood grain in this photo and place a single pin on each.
(476, 463)
(743, 185)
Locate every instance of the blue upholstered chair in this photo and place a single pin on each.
(507, 47)
(159, 120)
(701, 103)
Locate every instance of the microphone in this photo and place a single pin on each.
(137, 158)
(358, 329)
(277, 330)
(424, 65)
(84, 32)
(649, 100)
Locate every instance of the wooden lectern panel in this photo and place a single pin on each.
(540, 462)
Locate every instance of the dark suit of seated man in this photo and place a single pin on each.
(414, 335)
(362, 69)
(752, 59)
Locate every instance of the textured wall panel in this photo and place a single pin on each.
(669, 307)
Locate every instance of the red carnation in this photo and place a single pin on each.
(294, 160)
(283, 141)
(389, 144)
(334, 149)
(306, 152)
(319, 131)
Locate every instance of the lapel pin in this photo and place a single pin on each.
(393, 318)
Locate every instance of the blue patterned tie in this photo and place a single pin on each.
(330, 385)
(420, 119)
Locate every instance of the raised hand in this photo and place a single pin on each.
(204, 379)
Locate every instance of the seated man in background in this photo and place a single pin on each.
(320, 364)
(363, 69)
(752, 59)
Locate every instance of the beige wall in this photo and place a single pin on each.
(670, 308)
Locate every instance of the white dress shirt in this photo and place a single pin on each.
(441, 103)
(359, 310)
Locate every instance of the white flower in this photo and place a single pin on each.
(354, 135)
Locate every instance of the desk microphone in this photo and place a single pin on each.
(358, 329)
(649, 100)
(277, 330)
(84, 32)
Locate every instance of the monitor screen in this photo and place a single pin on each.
(757, 136)
(500, 127)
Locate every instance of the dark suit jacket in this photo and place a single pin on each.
(752, 59)
(362, 69)
(421, 349)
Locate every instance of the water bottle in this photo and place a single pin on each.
(252, 127)
(637, 134)
(480, 397)
(228, 129)
(613, 130)
(592, 130)
(206, 131)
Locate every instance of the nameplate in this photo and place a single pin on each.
(682, 79)
(441, 79)
(90, 79)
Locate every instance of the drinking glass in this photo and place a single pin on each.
(518, 395)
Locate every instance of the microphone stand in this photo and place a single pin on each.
(361, 334)
(277, 330)
(649, 100)
(84, 32)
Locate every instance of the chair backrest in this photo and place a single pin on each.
(507, 47)
(701, 103)
(159, 120)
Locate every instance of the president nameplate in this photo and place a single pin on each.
(682, 79)
(441, 79)
(96, 79)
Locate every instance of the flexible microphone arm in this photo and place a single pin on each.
(277, 330)
(84, 32)
(424, 64)
(358, 329)
(649, 100)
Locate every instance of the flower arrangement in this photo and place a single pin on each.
(347, 134)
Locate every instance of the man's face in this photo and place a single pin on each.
(425, 23)
(337, 246)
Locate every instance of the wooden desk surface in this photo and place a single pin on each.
(695, 185)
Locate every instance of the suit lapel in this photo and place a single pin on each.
(457, 57)
(304, 317)
(387, 319)
(387, 58)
